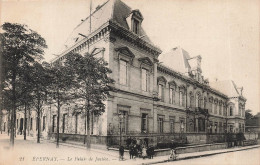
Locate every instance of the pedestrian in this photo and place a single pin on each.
(152, 151)
(144, 154)
(131, 151)
(121, 153)
(173, 154)
(135, 151)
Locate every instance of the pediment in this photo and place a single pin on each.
(146, 60)
(173, 83)
(161, 79)
(125, 51)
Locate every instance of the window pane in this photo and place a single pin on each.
(144, 79)
(144, 123)
(171, 99)
(123, 72)
(160, 91)
(180, 98)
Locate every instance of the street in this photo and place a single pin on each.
(245, 157)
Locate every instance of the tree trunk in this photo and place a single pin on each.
(38, 119)
(58, 122)
(85, 127)
(25, 121)
(8, 123)
(29, 121)
(12, 125)
(13, 109)
(88, 129)
(39, 127)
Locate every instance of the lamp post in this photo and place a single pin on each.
(121, 116)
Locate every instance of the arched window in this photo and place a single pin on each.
(191, 100)
(161, 85)
(230, 111)
(215, 104)
(172, 89)
(182, 96)
(198, 100)
(205, 102)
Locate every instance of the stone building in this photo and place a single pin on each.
(160, 98)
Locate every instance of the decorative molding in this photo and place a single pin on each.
(162, 79)
(125, 51)
(146, 60)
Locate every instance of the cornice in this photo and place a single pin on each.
(125, 33)
(111, 26)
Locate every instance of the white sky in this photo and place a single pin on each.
(224, 32)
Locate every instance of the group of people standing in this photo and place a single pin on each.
(141, 151)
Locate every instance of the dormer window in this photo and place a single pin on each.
(136, 26)
(134, 21)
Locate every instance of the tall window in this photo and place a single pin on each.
(160, 124)
(172, 121)
(64, 122)
(144, 123)
(220, 109)
(231, 111)
(201, 125)
(181, 98)
(144, 80)
(171, 95)
(123, 121)
(215, 107)
(205, 102)
(197, 100)
(43, 123)
(123, 72)
(54, 120)
(160, 92)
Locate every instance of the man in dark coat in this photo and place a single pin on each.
(121, 152)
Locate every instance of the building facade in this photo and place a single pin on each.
(157, 98)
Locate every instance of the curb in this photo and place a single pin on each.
(199, 156)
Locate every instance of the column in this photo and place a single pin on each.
(196, 123)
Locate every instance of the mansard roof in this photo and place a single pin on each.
(177, 59)
(111, 11)
(228, 87)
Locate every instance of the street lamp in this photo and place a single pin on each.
(121, 116)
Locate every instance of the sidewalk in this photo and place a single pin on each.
(49, 146)
(160, 159)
